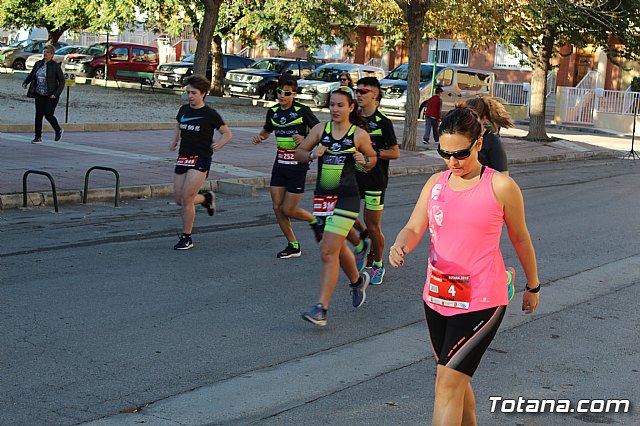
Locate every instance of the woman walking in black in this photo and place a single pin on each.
(47, 83)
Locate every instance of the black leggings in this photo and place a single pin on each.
(46, 107)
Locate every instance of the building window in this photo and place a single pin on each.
(450, 52)
(330, 51)
(509, 57)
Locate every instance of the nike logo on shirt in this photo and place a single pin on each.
(184, 120)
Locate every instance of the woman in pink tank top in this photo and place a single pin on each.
(465, 294)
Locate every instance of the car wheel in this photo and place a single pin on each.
(18, 64)
(164, 85)
(270, 93)
(99, 74)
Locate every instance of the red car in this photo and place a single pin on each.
(122, 57)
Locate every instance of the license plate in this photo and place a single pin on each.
(163, 77)
(69, 67)
(236, 89)
(303, 96)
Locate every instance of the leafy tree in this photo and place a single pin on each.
(56, 18)
(549, 24)
(413, 21)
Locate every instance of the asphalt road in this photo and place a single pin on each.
(99, 317)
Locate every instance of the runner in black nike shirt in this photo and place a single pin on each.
(196, 125)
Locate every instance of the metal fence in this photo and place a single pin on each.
(617, 102)
(512, 93)
(579, 106)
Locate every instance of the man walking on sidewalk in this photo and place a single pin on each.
(432, 116)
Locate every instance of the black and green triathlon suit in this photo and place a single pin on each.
(284, 123)
(373, 183)
(336, 184)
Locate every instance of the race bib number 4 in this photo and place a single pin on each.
(187, 161)
(323, 205)
(287, 156)
(449, 290)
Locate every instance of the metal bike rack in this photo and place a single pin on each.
(86, 183)
(24, 187)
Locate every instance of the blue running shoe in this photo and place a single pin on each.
(316, 315)
(377, 274)
(511, 277)
(361, 256)
(358, 292)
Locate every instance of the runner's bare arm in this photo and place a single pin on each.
(365, 154)
(391, 153)
(176, 137)
(303, 151)
(409, 237)
(510, 197)
(225, 137)
(263, 135)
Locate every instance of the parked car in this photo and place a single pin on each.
(174, 73)
(315, 88)
(458, 84)
(122, 56)
(261, 79)
(15, 55)
(58, 57)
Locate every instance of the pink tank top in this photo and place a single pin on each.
(466, 271)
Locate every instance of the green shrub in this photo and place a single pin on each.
(635, 84)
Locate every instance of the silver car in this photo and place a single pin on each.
(59, 56)
(15, 55)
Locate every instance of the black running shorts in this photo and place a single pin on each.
(460, 341)
(202, 165)
(292, 178)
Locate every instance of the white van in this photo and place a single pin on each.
(315, 88)
(458, 84)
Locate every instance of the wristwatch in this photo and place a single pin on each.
(532, 290)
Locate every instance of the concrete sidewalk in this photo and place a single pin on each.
(145, 164)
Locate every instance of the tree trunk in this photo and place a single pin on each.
(54, 34)
(540, 66)
(414, 13)
(217, 67)
(209, 22)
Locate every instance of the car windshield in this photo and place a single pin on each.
(330, 74)
(402, 73)
(97, 50)
(21, 43)
(64, 50)
(269, 65)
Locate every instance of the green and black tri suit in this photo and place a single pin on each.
(374, 182)
(284, 123)
(337, 177)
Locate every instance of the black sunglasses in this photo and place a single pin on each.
(284, 92)
(458, 155)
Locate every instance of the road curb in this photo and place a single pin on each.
(242, 186)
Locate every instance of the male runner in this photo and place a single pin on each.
(373, 183)
(290, 121)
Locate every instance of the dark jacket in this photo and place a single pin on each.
(55, 78)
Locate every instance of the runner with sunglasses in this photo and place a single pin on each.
(338, 145)
(465, 296)
(290, 121)
(373, 183)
